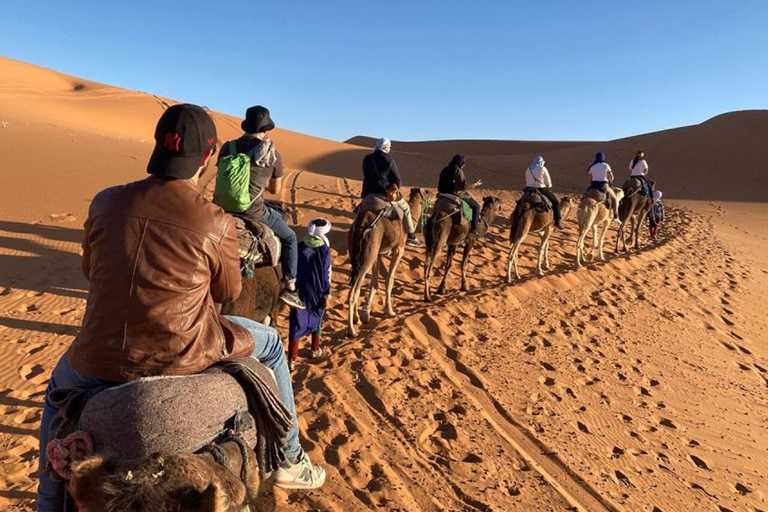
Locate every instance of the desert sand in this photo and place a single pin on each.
(638, 384)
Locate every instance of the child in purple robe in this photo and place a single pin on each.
(313, 282)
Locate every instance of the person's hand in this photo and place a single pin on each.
(478, 183)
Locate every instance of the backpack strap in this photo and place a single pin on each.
(232, 148)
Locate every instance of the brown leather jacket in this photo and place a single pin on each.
(158, 257)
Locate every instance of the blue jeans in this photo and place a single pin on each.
(63, 376)
(289, 256)
(268, 349)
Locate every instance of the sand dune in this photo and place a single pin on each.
(638, 384)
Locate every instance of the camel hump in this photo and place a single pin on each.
(596, 195)
(376, 203)
(534, 198)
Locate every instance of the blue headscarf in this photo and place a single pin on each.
(537, 162)
(599, 158)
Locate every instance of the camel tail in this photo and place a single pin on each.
(360, 234)
(429, 232)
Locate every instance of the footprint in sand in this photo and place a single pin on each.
(741, 489)
(582, 427)
(62, 217)
(621, 479)
(32, 373)
(698, 462)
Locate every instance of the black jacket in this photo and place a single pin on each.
(379, 172)
(452, 180)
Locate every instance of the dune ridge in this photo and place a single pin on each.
(637, 384)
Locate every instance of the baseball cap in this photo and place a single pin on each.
(184, 134)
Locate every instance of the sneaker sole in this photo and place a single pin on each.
(296, 485)
(293, 305)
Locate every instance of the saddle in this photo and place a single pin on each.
(453, 206)
(258, 245)
(180, 414)
(377, 204)
(536, 199)
(599, 196)
(637, 184)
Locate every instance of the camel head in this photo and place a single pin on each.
(162, 483)
(419, 194)
(566, 205)
(492, 202)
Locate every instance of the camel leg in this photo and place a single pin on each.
(465, 263)
(546, 252)
(603, 232)
(432, 253)
(354, 297)
(518, 241)
(365, 311)
(640, 223)
(390, 311)
(542, 249)
(447, 268)
(427, 274)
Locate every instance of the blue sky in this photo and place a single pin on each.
(415, 70)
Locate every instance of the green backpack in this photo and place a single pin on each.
(233, 180)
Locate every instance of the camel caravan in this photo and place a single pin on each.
(177, 394)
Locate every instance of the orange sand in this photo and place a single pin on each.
(638, 384)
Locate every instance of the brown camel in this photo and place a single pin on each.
(595, 216)
(442, 229)
(370, 238)
(634, 207)
(527, 218)
(165, 482)
(259, 299)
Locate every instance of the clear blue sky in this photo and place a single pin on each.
(414, 70)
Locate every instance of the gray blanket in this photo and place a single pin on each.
(131, 421)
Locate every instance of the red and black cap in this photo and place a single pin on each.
(184, 134)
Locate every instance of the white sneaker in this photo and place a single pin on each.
(302, 475)
(320, 353)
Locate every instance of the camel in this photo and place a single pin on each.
(164, 482)
(259, 299)
(372, 236)
(442, 230)
(595, 216)
(634, 207)
(527, 218)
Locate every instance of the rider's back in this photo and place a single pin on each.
(157, 256)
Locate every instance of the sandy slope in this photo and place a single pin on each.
(638, 384)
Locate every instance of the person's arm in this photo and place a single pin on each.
(276, 181)
(545, 178)
(610, 174)
(394, 174)
(87, 245)
(646, 169)
(460, 181)
(327, 272)
(226, 282)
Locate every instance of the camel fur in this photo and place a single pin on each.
(526, 218)
(166, 483)
(442, 230)
(594, 216)
(366, 248)
(634, 207)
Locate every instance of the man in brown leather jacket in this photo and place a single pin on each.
(159, 257)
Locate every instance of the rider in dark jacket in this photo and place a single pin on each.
(453, 181)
